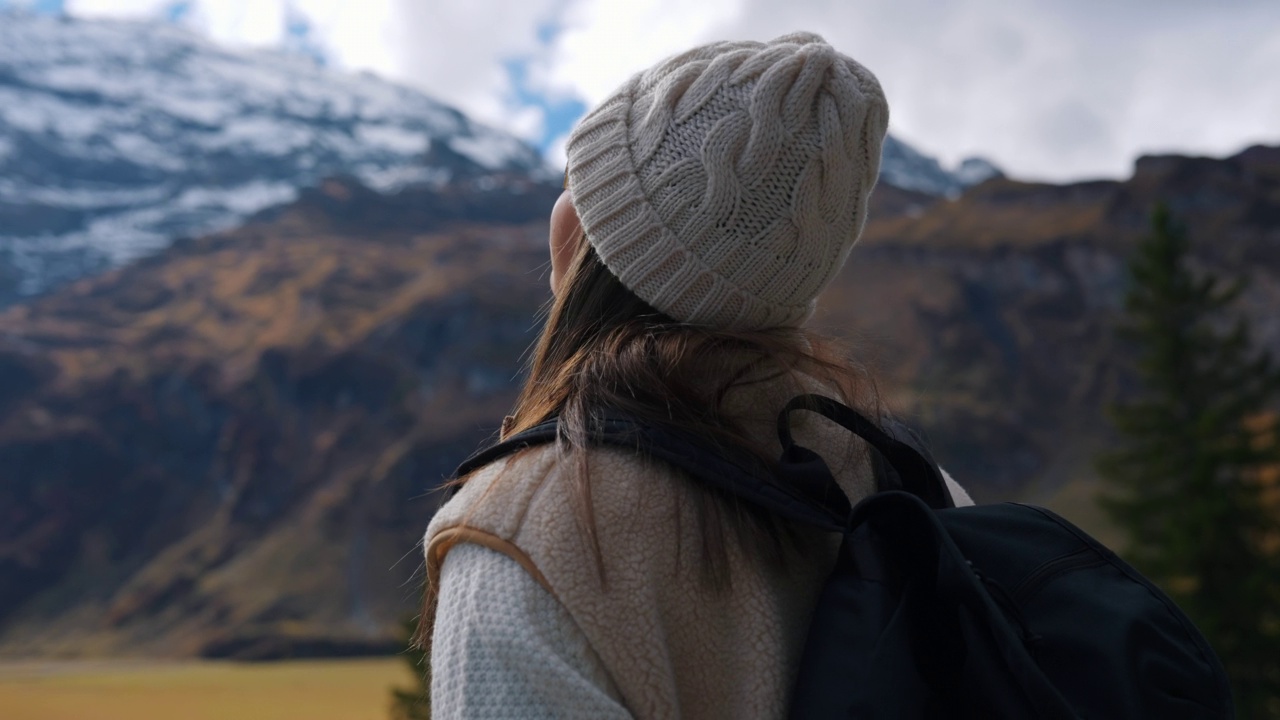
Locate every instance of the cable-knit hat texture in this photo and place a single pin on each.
(726, 185)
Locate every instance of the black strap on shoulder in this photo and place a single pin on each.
(909, 465)
(731, 471)
(544, 433)
(800, 488)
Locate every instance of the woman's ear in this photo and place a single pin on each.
(563, 239)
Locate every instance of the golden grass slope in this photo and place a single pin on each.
(317, 690)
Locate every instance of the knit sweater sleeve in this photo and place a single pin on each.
(504, 647)
(959, 495)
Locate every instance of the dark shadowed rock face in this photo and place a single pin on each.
(993, 315)
(227, 449)
(224, 449)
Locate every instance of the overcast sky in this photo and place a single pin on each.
(1047, 89)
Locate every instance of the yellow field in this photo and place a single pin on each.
(126, 690)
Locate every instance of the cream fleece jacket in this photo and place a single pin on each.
(650, 637)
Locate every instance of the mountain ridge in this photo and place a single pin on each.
(120, 136)
(117, 137)
(220, 450)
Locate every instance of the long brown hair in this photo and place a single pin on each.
(603, 347)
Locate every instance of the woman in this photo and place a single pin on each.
(707, 204)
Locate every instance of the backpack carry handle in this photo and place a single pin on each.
(917, 474)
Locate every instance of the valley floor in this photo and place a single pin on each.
(156, 690)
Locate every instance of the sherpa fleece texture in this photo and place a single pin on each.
(668, 646)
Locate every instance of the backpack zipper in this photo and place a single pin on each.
(1078, 560)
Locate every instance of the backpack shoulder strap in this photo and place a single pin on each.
(730, 471)
(544, 433)
(800, 487)
(902, 461)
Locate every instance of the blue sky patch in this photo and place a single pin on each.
(39, 7)
(298, 37)
(559, 114)
(177, 12)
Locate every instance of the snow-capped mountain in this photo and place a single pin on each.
(906, 167)
(117, 137)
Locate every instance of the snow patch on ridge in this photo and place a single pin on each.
(908, 168)
(116, 137)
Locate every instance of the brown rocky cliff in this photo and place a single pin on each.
(993, 316)
(224, 450)
(227, 449)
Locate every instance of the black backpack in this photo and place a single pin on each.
(933, 611)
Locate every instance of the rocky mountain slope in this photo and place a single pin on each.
(994, 314)
(227, 449)
(117, 137)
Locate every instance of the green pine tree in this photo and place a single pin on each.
(415, 702)
(1192, 481)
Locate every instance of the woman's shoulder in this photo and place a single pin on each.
(533, 494)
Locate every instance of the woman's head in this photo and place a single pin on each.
(726, 185)
(707, 204)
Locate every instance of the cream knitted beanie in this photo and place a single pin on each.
(725, 186)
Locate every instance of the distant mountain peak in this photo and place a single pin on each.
(910, 169)
(116, 137)
(974, 170)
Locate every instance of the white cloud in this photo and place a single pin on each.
(1210, 87)
(606, 41)
(357, 34)
(456, 50)
(1055, 89)
(556, 154)
(233, 22)
(260, 22)
(115, 8)
(526, 122)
